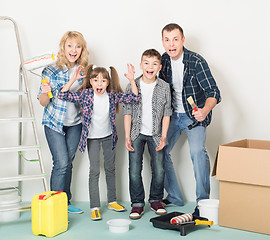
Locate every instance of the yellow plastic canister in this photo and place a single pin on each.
(49, 213)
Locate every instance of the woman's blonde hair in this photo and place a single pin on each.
(61, 57)
(113, 78)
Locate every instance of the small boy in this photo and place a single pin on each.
(147, 121)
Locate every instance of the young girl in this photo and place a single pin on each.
(61, 120)
(99, 97)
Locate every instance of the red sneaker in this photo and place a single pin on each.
(136, 212)
(158, 208)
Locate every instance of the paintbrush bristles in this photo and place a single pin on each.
(191, 102)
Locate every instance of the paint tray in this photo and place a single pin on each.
(163, 222)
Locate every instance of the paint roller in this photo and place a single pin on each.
(39, 62)
(188, 218)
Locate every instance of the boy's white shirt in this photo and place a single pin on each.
(100, 122)
(177, 81)
(72, 116)
(146, 95)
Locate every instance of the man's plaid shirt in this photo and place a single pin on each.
(198, 82)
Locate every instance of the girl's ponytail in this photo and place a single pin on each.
(115, 82)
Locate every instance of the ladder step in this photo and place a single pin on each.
(19, 148)
(12, 92)
(17, 119)
(22, 178)
(19, 208)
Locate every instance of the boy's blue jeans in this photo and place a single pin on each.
(63, 149)
(136, 188)
(201, 166)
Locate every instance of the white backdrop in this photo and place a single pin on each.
(232, 35)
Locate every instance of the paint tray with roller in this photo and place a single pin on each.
(163, 222)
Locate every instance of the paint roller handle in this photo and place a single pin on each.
(45, 80)
(203, 222)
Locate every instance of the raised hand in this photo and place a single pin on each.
(76, 74)
(131, 72)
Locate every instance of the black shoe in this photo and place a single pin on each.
(196, 212)
(166, 203)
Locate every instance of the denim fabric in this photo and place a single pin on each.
(136, 188)
(201, 166)
(63, 149)
(93, 146)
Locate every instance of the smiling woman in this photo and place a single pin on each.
(62, 120)
(72, 49)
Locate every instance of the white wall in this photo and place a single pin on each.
(232, 35)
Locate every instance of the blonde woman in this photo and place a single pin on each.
(62, 120)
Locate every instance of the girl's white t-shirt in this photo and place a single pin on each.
(73, 116)
(100, 126)
(147, 118)
(177, 82)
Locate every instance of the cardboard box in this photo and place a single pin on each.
(243, 169)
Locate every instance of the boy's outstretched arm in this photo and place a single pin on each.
(127, 127)
(130, 77)
(165, 127)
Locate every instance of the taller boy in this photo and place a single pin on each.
(147, 122)
(188, 75)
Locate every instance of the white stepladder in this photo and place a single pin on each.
(19, 119)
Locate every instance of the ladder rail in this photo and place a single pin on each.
(23, 79)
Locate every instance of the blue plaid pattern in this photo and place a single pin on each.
(86, 99)
(198, 82)
(55, 111)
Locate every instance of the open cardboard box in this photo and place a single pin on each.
(243, 171)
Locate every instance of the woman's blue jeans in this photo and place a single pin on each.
(136, 188)
(63, 149)
(201, 166)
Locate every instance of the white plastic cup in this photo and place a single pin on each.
(118, 225)
(209, 209)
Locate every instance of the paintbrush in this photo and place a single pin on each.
(192, 103)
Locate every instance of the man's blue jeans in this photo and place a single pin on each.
(201, 166)
(63, 149)
(136, 188)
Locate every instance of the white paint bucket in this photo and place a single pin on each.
(209, 209)
(9, 199)
(118, 225)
